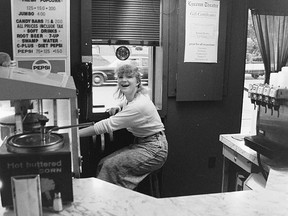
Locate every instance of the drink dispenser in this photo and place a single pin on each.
(35, 102)
(272, 126)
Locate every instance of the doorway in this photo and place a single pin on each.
(254, 74)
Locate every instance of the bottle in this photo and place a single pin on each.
(57, 202)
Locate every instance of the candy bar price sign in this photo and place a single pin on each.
(40, 28)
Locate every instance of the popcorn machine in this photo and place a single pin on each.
(33, 106)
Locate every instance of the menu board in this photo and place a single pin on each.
(40, 27)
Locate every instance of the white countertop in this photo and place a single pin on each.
(95, 197)
(236, 143)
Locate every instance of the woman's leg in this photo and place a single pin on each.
(127, 167)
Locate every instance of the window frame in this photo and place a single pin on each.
(160, 67)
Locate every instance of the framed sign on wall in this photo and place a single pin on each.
(41, 35)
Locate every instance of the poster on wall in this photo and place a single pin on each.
(41, 34)
(201, 31)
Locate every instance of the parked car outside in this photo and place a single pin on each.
(106, 73)
(255, 70)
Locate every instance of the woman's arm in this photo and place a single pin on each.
(88, 131)
(100, 127)
(128, 117)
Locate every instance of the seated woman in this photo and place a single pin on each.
(128, 166)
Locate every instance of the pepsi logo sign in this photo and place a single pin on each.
(42, 65)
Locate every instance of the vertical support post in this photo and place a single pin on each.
(75, 142)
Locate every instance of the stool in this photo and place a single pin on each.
(151, 185)
(155, 183)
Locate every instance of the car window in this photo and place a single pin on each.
(145, 62)
(135, 62)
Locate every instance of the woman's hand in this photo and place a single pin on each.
(113, 110)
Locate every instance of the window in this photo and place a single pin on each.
(136, 25)
(103, 77)
(254, 73)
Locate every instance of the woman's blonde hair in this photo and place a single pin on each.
(129, 71)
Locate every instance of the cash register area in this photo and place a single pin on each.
(91, 196)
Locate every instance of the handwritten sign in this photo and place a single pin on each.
(39, 28)
(202, 29)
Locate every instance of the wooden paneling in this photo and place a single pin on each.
(201, 81)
